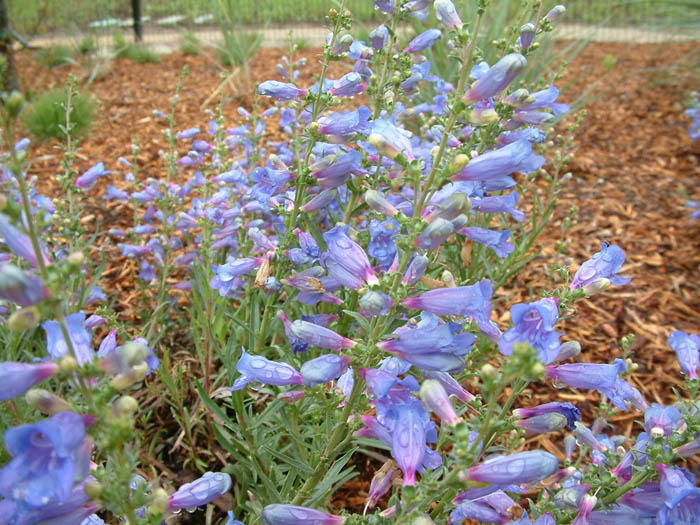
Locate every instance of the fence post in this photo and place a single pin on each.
(138, 26)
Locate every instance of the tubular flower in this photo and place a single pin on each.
(17, 378)
(603, 265)
(497, 78)
(424, 40)
(255, 368)
(293, 515)
(313, 334)
(323, 369)
(349, 261)
(280, 90)
(446, 13)
(201, 491)
(79, 337)
(521, 467)
(687, 347)
(533, 324)
(20, 287)
(500, 163)
(19, 243)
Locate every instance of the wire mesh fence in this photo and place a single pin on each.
(164, 20)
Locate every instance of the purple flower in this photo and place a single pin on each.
(408, 438)
(546, 99)
(19, 287)
(344, 123)
(500, 204)
(555, 12)
(446, 13)
(521, 467)
(687, 347)
(375, 304)
(348, 85)
(338, 172)
(348, 261)
(323, 369)
(437, 401)
(87, 180)
(527, 35)
(603, 265)
(473, 300)
(381, 483)
(379, 37)
(390, 140)
(533, 324)
(415, 269)
(500, 163)
(664, 418)
(256, 368)
(17, 378)
(677, 489)
(187, 134)
(201, 491)
(587, 375)
(313, 334)
(434, 234)
(496, 240)
(497, 78)
(292, 515)
(381, 245)
(424, 40)
(80, 339)
(450, 384)
(568, 410)
(280, 90)
(19, 243)
(48, 457)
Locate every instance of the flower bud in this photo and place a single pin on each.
(377, 202)
(374, 303)
(134, 375)
(415, 269)
(67, 364)
(543, 423)
(24, 319)
(93, 489)
(519, 98)
(159, 500)
(434, 234)
(124, 406)
(597, 286)
(458, 163)
(381, 483)
(19, 287)
(527, 35)
(488, 370)
(483, 117)
(45, 401)
(75, 259)
(455, 205)
(436, 399)
(555, 13)
(291, 396)
(568, 350)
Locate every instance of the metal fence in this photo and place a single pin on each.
(165, 20)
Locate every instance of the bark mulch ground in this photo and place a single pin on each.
(633, 166)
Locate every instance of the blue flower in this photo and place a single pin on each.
(533, 324)
(603, 265)
(80, 339)
(381, 245)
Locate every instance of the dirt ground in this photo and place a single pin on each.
(633, 166)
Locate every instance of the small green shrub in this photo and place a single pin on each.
(190, 44)
(45, 117)
(55, 56)
(137, 52)
(87, 45)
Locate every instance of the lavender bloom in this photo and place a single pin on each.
(569, 411)
(446, 13)
(292, 515)
(345, 123)
(555, 12)
(348, 85)
(587, 375)
(19, 243)
(323, 369)
(381, 245)
(375, 304)
(687, 347)
(521, 467)
(187, 134)
(87, 180)
(437, 401)
(585, 436)
(338, 172)
(201, 491)
(385, 6)
(546, 99)
(379, 37)
(533, 324)
(501, 163)
(349, 261)
(80, 339)
(662, 418)
(256, 368)
(499, 204)
(408, 439)
(314, 334)
(280, 90)
(48, 458)
(450, 384)
(471, 300)
(19, 287)
(527, 35)
(678, 491)
(496, 240)
(17, 378)
(377, 202)
(415, 269)
(381, 483)
(542, 424)
(390, 140)
(424, 40)
(603, 265)
(497, 78)
(434, 234)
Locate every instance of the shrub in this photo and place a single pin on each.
(47, 114)
(190, 44)
(55, 56)
(137, 52)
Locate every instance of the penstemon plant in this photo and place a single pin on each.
(339, 287)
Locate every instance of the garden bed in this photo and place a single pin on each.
(633, 165)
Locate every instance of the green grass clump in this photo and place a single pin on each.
(139, 53)
(55, 56)
(190, 44)
(87, 45)
(46, 117)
